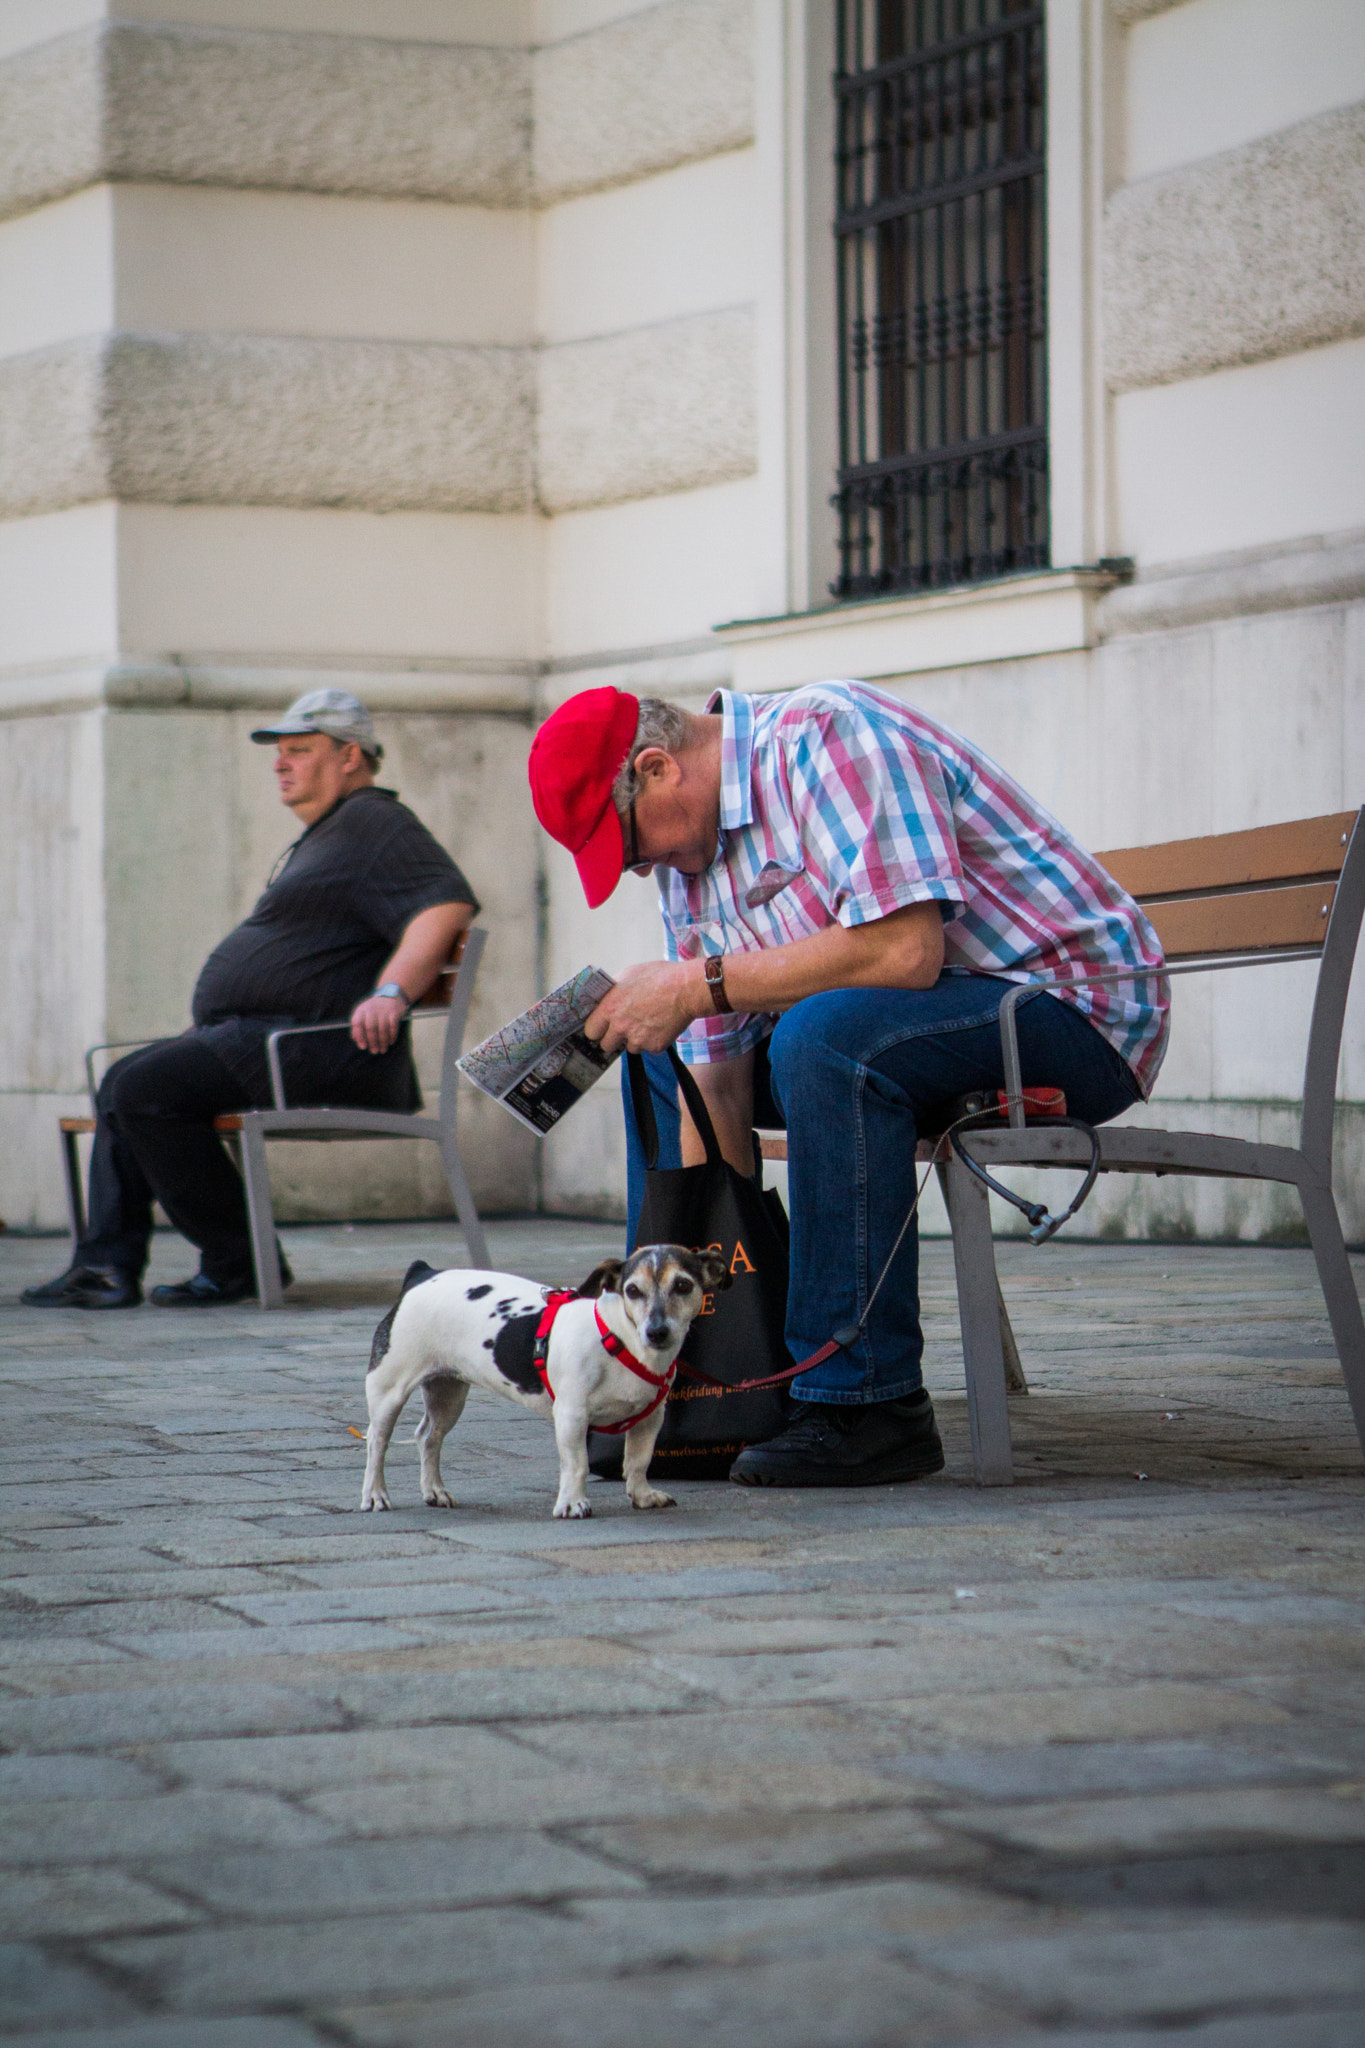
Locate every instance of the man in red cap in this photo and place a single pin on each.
(848, 892)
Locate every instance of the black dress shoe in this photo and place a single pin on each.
(86, 1287)
(874, 1443)
(201, 1292)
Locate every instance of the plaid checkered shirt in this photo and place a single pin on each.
(839, 804)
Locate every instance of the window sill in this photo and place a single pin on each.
(1046, 612)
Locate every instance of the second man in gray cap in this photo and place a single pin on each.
(356, 922)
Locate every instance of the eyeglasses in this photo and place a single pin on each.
(632, 859)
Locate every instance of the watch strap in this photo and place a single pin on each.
(394, 990)
(714, 971)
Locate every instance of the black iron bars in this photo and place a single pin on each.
(942, 293)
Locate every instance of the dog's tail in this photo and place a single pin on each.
(417, 1272)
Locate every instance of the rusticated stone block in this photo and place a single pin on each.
(266, 420)
(657, 409)
(666, 86)
(1251, 254)
(311, 113)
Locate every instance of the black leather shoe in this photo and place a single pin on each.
(875, 1443)
(86, 1287)
(201, 1292)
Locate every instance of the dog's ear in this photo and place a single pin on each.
(711, 1270)
(603, 1279)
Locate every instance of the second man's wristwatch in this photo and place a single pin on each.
(395, 991)
(715, 982)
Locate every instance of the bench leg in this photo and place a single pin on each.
(1339, 1289)
(75, 1197)
(261, 1218)
(978, 1303)
(475, 1242)
(1015, 1382)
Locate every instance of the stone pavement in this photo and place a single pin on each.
(1082, 1762)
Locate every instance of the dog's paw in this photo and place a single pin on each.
(572, 1511)
(374, 1501)
(437, 1497)
(651, 1497)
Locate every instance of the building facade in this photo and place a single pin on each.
(471, 352)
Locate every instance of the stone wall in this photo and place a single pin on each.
(483, 352)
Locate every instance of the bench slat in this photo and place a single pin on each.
(1233, 860)
(1251, 923)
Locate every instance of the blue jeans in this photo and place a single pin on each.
(851, 1075)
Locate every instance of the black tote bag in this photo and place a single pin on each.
(739, 1334)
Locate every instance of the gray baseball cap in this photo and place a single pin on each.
(336, 712)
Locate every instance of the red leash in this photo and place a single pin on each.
(610, 1342)
(773, 1379)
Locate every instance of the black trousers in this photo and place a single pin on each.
(154, 1140)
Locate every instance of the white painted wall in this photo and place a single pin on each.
(135, 643)
(199, 260)
(1260, 453)
(275, 582)
(1211, 74)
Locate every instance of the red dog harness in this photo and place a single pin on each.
(612, 1343)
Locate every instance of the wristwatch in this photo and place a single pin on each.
(715, 981)
(395, 992)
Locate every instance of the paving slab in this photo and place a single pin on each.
(787, 2005)
(1082, 1760)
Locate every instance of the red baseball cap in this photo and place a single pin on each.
(575, 758)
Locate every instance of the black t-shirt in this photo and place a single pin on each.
(319, 936)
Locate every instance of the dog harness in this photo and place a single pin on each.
(612, 1343)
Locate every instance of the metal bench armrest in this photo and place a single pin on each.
(272, 1046)
(110, 1045)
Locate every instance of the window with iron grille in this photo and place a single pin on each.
(942, 304)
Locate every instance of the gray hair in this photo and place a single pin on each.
(661, 725)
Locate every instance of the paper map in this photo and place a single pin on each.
(538, 1065)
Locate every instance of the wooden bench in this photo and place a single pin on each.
(1240, 899)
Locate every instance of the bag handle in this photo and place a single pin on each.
(643, 1105)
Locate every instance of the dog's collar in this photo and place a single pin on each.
(610, 1342)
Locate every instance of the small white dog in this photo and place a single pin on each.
(600, 1358)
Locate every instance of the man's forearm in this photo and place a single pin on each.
(653, 1003)
(425, 948)
(904, 950)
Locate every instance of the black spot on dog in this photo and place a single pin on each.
(380, 1346)
(505, 1308)
(488, 1343)
(478, 1293)
(513, 1352)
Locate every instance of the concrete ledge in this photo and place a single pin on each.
(1021, 615)
(649, 412)
(666, 86)
(1323, 569)
(313, 113)
(206, 683)
(1129, 11)
(266, 420)
(1252, 254)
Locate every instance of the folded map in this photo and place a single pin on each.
(538, 1065)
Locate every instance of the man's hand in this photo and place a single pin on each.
(375, 1022)
(649, 1006)
(423, 950)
